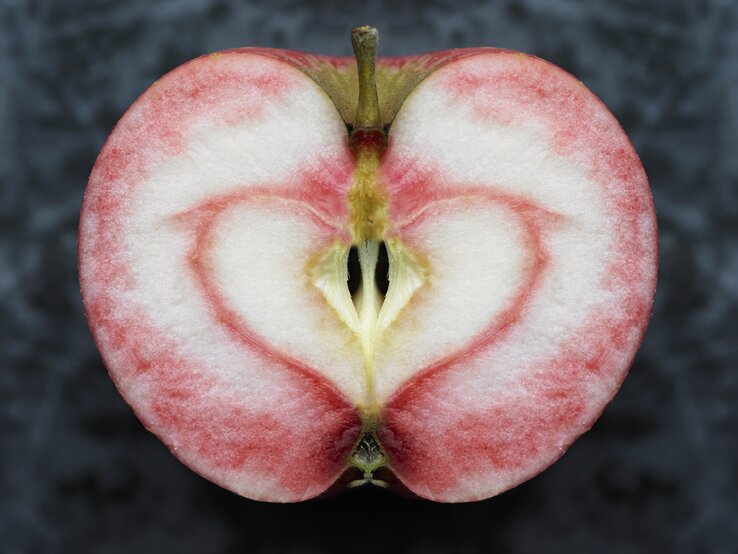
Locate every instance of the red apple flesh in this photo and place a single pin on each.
(213, 247)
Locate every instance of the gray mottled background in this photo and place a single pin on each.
(659, 471)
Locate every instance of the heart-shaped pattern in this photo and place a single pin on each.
(250, 251)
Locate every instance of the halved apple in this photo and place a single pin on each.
(215, 238)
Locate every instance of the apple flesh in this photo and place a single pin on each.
(520, 235)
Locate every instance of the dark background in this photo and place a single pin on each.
(658, 472)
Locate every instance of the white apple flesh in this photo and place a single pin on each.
(213, 249)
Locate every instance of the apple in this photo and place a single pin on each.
(230, 238)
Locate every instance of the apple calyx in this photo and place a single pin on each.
(368, 457)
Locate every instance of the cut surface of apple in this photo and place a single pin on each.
(214, 246)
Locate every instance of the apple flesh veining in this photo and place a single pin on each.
(519, 233)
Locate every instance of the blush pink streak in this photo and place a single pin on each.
(217, 435)
(436, 441)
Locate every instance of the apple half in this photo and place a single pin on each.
(225, 208)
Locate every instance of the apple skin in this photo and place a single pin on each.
(260, 443)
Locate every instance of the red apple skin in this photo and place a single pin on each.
(433, 446)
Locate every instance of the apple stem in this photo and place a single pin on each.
(368, 121)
